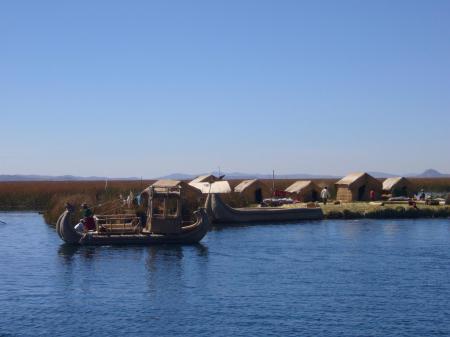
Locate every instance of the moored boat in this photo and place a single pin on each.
(220, 212)
(163, 224)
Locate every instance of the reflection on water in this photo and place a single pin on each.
(346, 278)
(67, 252)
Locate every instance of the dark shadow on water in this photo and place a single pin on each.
(225, 226)
(67, 252)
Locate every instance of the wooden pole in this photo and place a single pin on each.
(273, 183)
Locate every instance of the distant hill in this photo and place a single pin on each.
(240, 175)
(35, 177)
(382, 175)
(432, 173)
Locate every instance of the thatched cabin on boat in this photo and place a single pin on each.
(304, 191)
(399, 187)
(253, 191)
(357, 187)
(190, 196)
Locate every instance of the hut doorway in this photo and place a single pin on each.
(258, 196)
(404, 191)
(361, 192)
(314, 195)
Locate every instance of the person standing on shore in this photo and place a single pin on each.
(325, 195)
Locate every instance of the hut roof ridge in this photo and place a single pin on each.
(201, 179)
(166, 183)
(351, 178)
(389, 183)
(298, 186)
(244, 184)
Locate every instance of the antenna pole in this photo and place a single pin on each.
(273, 183)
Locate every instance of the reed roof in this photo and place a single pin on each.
(205, 178)
(215, 187)
(244, 185)
(351, 178)
(389, 183)
(169, 183)
(298, 186)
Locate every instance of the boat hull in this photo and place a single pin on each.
(220, 212)
(190, 234)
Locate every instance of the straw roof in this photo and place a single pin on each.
(244, 185)
(351, 178)
(169, 183)
(205, 178)
(389, 183)
(298, 186)
(215, 187)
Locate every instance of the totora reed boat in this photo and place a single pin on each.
(162, 224)
(220, 212)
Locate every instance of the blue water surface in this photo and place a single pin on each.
(329, 278)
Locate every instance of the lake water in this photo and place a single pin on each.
(333, 278)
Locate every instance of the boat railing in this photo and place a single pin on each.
(116, 223)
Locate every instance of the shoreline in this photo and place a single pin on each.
(345, 213)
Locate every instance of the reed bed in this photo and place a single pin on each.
(50, 196)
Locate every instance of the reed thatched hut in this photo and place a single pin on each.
(399, 187)
(357, 187)
(304, 191)
(191, 197)
(253, 191)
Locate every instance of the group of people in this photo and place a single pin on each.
(87, 223)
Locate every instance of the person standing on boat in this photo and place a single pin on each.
(88, 219)
(325, 195)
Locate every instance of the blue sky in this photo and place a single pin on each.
(146, 88)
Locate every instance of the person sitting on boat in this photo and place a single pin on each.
(88, 219)
(325, 195)
(141, 220)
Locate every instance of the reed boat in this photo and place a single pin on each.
(220, 212)
(164, 225)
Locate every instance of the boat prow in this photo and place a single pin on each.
(220, 212)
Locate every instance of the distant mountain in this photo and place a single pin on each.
(383, 175)
(179, 176)
(240, 175)
(432, 173)
(35, 177)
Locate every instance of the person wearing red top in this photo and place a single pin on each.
(88, 219)
(372, 195)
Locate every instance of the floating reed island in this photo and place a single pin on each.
(351, 195)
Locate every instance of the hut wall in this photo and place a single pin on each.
(360, 191)
(367, 185)
(248, 195)
(307, 194)
(403, 188)
(344, 194)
